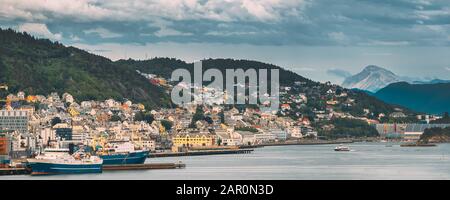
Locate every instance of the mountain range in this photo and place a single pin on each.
(373, 78)
(428, 98)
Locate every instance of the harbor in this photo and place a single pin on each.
(58, 161)
(201, 153)
(306, 142)
(367, 160)
(13, 171)
(146, 166)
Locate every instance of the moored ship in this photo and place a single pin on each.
(59, 161)
(123, 154)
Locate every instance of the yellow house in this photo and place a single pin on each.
(31, 98)
(192, 139)
(73, 112)
(141, 106)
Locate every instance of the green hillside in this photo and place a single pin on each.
(39, 66)
(429, 98)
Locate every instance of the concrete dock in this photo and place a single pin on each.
(306, 142)
(201, 153)
(13, 171)
(144, 166)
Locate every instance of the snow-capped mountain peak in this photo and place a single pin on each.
(372, 78)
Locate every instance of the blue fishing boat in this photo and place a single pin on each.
(122, 153)
(61, 162)
(123, 158)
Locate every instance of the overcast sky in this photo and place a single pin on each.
(320, 39)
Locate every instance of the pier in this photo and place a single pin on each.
(144, 166)
(13, 171)
(306, 142)
(201, 153)
(148, 166)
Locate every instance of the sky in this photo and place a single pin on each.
(325, 40)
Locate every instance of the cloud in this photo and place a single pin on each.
(103, 33)
(338, 37)
(338, 73)
(82, 10)
(39, 30)
(165, 29)
(46, 10)
(255, 22)
(385, 43)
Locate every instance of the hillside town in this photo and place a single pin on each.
(31, 123)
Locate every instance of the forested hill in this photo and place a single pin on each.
(429, 98)
(39, 66)
(165, 66)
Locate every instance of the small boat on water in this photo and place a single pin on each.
(123, 154)
(59, 161)
(342, 148)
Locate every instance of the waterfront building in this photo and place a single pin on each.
(30, 110)
(265, 137)
(410, 131)
(5, 143)
(5, 146)
(412, 136)
(247, 137)
(16, 120)
(226, 138)
(279, 134)
(79, 135)
(146, 143)
(63, 131)
(46, 134)
(294, 132)
(191, 138)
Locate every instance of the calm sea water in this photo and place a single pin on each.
(365, 161)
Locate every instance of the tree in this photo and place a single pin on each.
(444, 120)
(247, 128)
(435, 133)
(222, 117)
(199, 115)
(141, 116)
(348, 128)
(167, 124)
(55, 120)
(209, 120)
(115, 118)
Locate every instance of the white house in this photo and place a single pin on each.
(247, 137)
(265, 137)
(294, 131)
